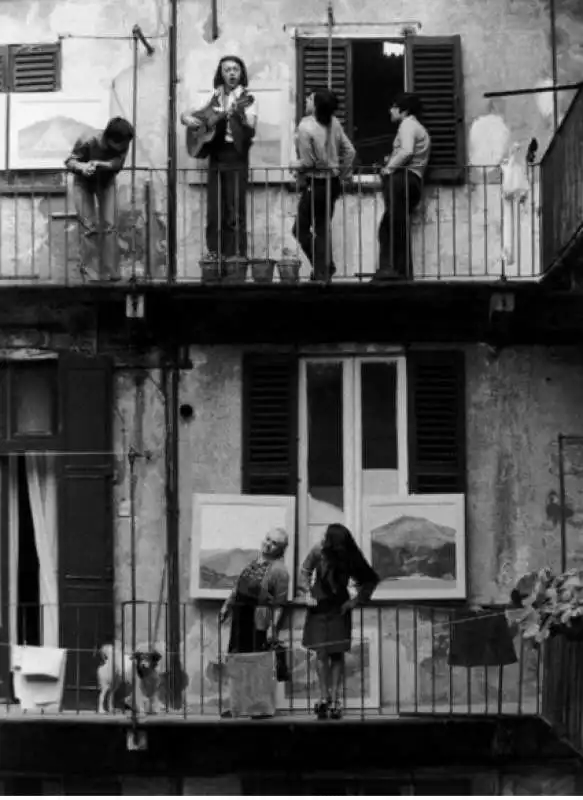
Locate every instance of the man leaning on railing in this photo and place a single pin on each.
(95, 161)
(402, 178)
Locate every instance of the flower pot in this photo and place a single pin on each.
(210, 270)
(289, 270)
(235, 269)
(262, 270)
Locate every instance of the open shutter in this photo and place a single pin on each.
(437, 446)
(434, 72)
(270, 425)
(312, 66)
(85, 519)
(3, 69)
(35, 68)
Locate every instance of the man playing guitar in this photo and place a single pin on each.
(223, 130)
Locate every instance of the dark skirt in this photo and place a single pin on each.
(327, 631)
(245, 638)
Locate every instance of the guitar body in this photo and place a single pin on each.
(209, 116)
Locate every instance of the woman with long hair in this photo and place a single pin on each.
(325, 156)
(324, 579)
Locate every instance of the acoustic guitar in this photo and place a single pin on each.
(197, 138)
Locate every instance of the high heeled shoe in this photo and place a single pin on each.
(321, 709)
(336, 710)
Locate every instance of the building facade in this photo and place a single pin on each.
(122, 401)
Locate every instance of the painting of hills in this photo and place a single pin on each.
(219, 569)
(417, 546)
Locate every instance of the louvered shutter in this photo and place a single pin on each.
(312, 66)
(437, 446)
(3, 69)
(35, 68)
(270, 425)
(434, 72)
(85, 504)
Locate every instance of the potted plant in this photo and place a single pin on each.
(552, 605)
(288, 266)
(235, 269)
(210, 268)
(262, 266)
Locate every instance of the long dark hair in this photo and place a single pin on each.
(325, 105)
(343, 558)
(218, 80)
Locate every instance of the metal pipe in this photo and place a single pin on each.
(513, 92)
(562, 501)
(135, 127)
(553, 15)
(171, 193)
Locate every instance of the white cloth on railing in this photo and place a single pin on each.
(39, 677)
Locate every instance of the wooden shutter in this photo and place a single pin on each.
(434, 72)
(85, 519)
(437, 446)
(312, 73)
(270, 424)
(35, 68)
(3, 69)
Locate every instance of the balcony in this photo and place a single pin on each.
(405, 662)
(562, 698)
(457, 233)
(562, 191)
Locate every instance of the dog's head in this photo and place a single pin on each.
(146, 662)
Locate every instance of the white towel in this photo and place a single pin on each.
(42, 663)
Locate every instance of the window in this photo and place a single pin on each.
(368, 73)
(30, 68)
(351, 427)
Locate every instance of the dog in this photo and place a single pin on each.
(115, 674)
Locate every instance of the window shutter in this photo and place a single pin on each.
(85, 519)
(35, 68)
(270, 425)
(437, 446)
(434, 72)
(312, 64)
(3, 69)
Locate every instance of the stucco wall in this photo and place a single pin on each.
(500, 39)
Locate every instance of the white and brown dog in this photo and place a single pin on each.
(115, 674)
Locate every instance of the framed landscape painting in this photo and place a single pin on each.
(227, 531)
(416, 544)
(361, 681)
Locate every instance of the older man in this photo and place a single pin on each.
(256, 602)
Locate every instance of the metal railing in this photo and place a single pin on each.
(562, 187)
(404, 660)
(458, 232)
(562, 698)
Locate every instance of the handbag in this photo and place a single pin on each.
(282, 672)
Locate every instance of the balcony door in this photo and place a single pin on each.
(353, 440)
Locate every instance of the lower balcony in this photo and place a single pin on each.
(406, 661)
(474, 231)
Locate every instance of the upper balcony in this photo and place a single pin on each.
(468, 232)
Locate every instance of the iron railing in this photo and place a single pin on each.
(400, 663)
(462, 232)
(562, 697)
(562, 187)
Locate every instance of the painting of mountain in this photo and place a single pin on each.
(219, 569)
(416, 546)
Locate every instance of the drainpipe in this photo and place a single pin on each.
(171, 386)
(553, 15)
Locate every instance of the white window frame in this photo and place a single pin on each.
(352, 439)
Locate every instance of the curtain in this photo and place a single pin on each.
(42, 488)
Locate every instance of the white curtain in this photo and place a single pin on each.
(42, 489)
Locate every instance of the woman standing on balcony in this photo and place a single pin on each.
(223, 129)
(324, 579)
(325, 157)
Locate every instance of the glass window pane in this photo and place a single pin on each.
(325, 446)
(33, 399)
(380, 455)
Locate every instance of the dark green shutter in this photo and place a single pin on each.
(270, 424)
(312, 65)
(434, 72)
(436, 417)
(35, 68)
(85, 519)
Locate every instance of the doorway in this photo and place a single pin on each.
(28, 623)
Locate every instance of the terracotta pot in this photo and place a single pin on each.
(289, 270)
(210, 270)
(262, 270)
(235, 270)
